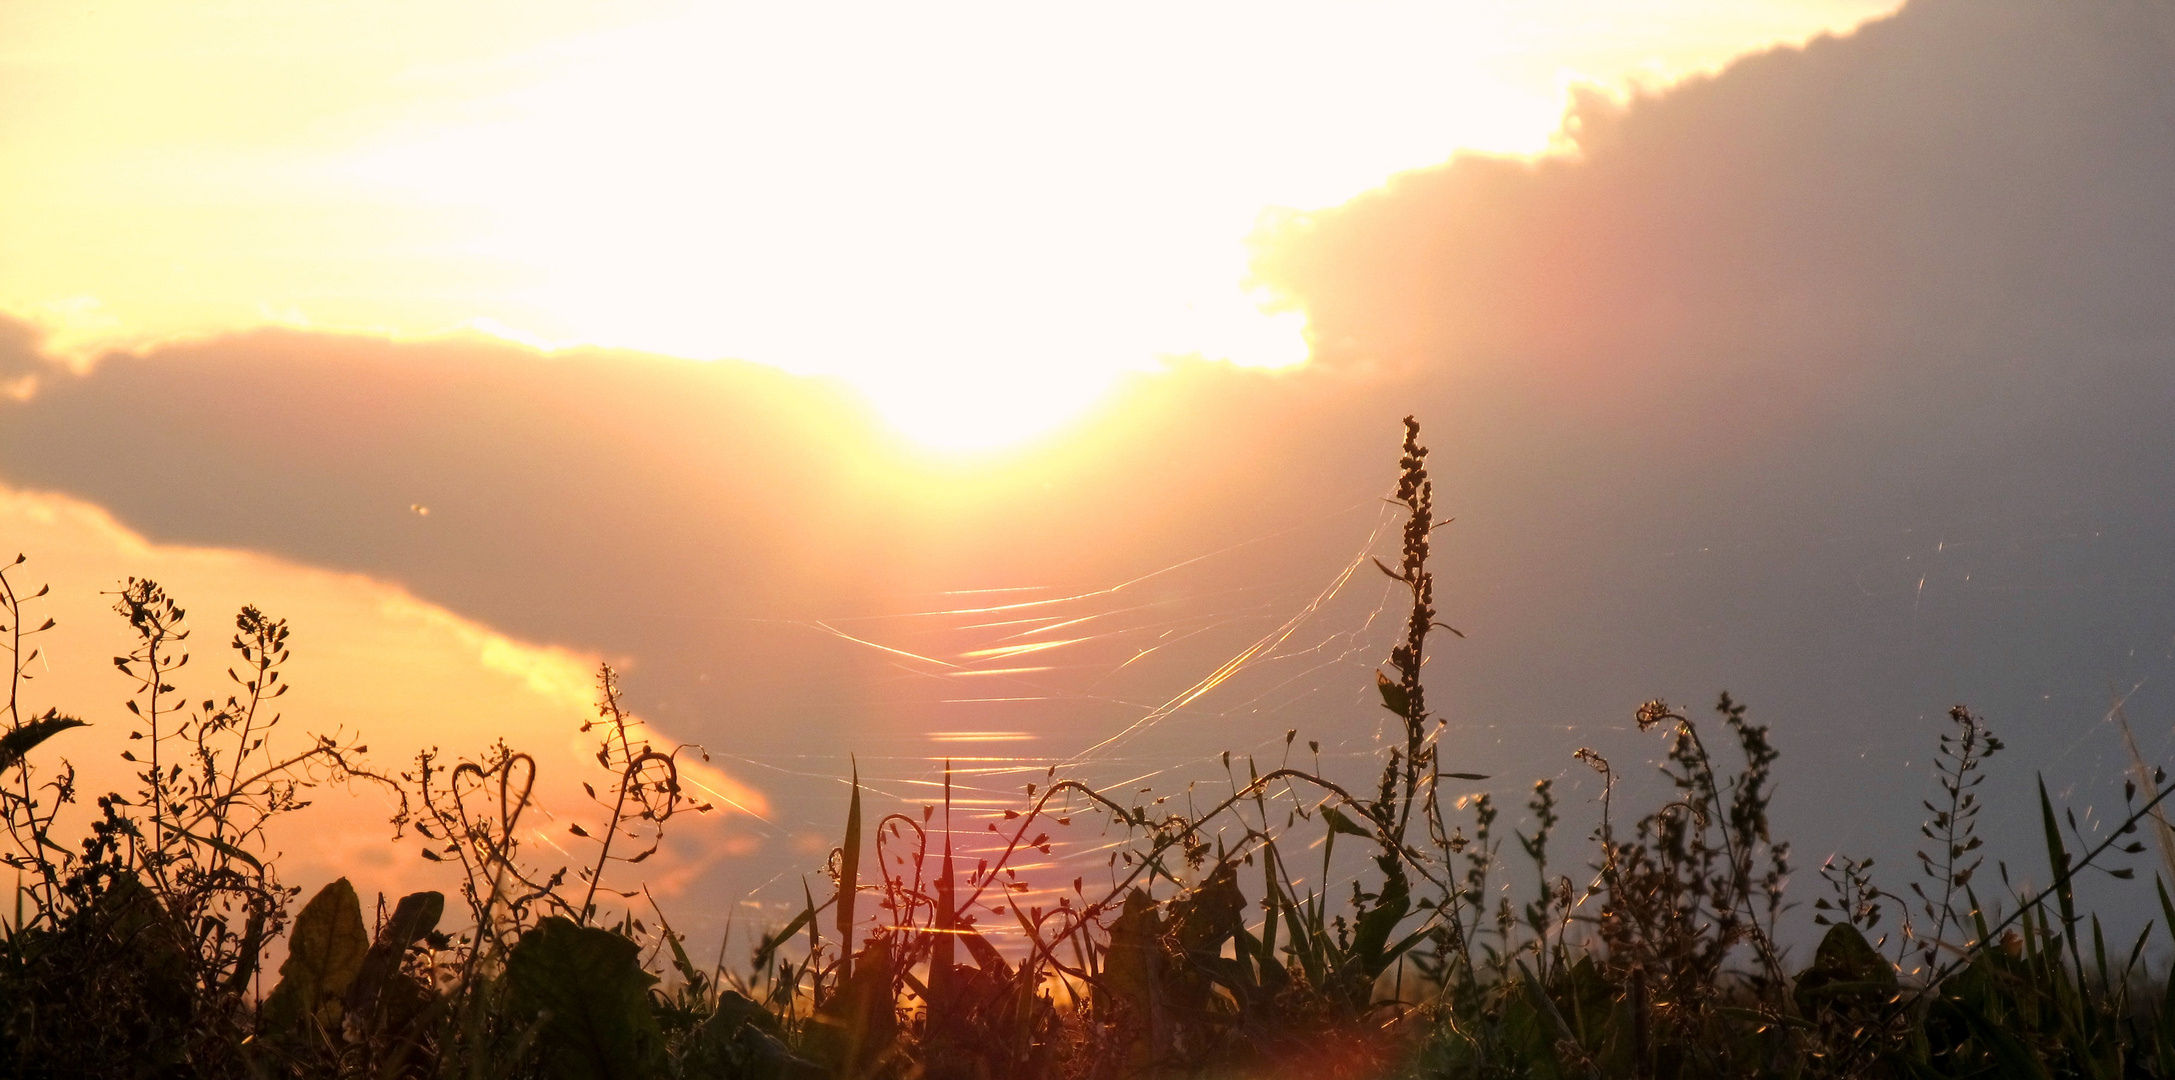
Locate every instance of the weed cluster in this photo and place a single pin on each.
(1217, 947)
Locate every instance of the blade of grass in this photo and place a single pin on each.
(849, 869)
(2065, 895)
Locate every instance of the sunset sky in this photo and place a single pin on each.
(976, 214)
(1019, 385)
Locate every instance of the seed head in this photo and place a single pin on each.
(1652, 713)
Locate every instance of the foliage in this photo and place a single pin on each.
(1216, 949)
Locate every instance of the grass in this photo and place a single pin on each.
(1216, 949)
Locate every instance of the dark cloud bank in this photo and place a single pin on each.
(1844, 380)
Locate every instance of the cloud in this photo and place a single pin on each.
(731, 534)
(1936, 181)
(21, 361)
(370, 662)
(1840, 379)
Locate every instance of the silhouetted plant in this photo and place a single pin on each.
(1953, 828)
(143, 944)
(136, 948)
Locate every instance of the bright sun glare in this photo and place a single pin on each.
(980, 218)
(980, 215)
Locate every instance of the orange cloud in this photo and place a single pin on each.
(369, 660)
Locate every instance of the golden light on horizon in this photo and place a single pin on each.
(979, 215)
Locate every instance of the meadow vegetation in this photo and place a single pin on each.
(1215, 946)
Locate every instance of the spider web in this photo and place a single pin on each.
(1142, 688)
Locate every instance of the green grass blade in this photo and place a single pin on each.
(2167, 907)
(849, 870)
(2163, 1028)
(770, 945)
(2064, 894)
(2099, 953)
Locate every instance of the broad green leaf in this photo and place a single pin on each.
(1393, 694)
(324, 952)
(1133, 974)
(586, 991)
(859, 1022)
(1845, 970)
(416, 915)
(1206, 917)
(1371, 934)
